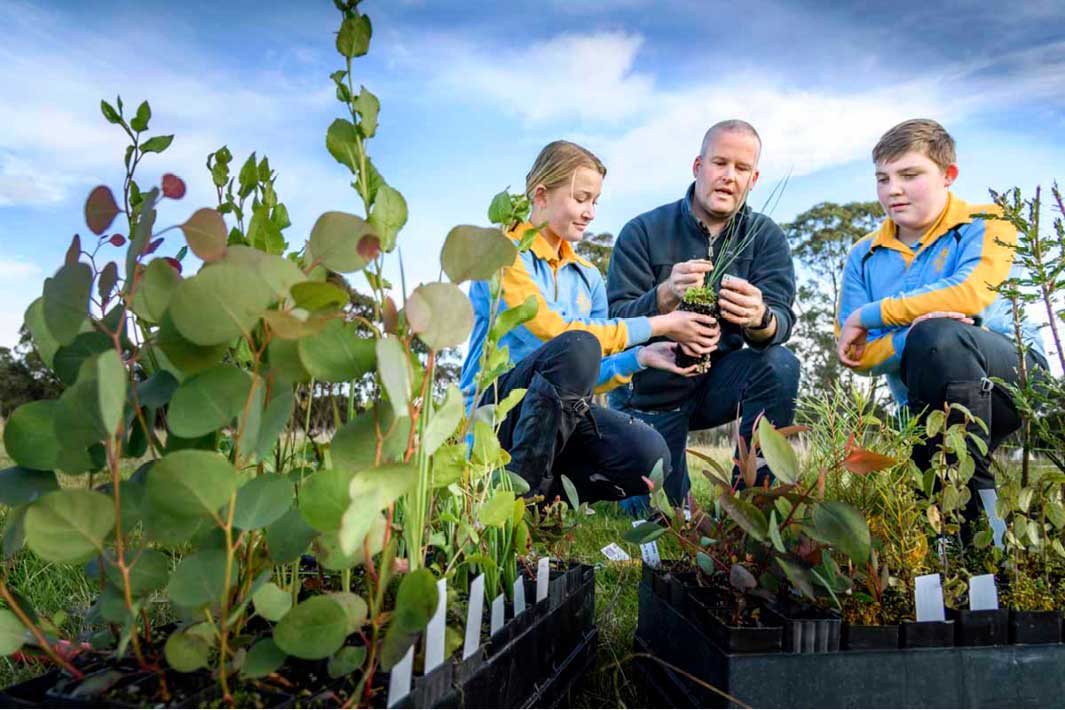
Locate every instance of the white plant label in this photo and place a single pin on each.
(498, 612)
(399, 681)
(648, 551)
(982, 592)
(543, 578)
(989, 497)
(434, 633)
(519, 596)
(614, 552)
(928, 596)
(473, 618)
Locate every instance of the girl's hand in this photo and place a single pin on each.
(663, 356)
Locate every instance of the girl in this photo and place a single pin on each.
(571, 349)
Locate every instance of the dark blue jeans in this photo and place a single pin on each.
(742, 383)
(603, 452)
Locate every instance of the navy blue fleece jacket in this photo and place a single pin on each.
(644, 255)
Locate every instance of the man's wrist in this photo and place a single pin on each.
(764, 329)
(665, 299)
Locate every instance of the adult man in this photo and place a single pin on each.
(662, 253)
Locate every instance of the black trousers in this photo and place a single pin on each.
(604, 453)
(944, 361)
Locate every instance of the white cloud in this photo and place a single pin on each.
(15, 268)
(587, 76)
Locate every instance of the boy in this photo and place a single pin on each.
(918, 302)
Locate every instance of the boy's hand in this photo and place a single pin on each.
(663, 356)
(698, 331)
(945, 314)
(685, 275)
(740, 302)
(852, 339)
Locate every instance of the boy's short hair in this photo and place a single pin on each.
(920, 134)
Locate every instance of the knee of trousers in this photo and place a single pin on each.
(932, 341)
(576, 359)
(781, 367)
(645, 448)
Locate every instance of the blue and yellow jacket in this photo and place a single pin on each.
(954, 266)
(570, 295)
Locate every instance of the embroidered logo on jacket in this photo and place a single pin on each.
(584, 303)
(941, 260)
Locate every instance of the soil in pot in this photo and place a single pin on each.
(698, 300)
(747, 632)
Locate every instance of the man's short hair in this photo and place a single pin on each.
(918, 134)
(732, 125)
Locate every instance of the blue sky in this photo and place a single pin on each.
(471, 90)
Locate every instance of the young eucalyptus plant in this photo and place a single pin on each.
(191, 380)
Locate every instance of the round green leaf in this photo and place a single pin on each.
(416, 602)
(354, 445)
(29, 436)
(24, 485)
(476, 253)
(340, 141)
(778, 453)
(186, 652)
(271, 602)
(332, 557)
(46, 343)
(314, 628)
(100, 209)
(66, 301)
(262, 501)
(150, 570)
(155, 288)
(199, 579)
(388, 216)
(440, 314)
(843, 527)
(334, 241)
(497, 511)
(284, 359)
(355, 608)
(371, 491)
(69, 358)
(346, 661)
(279, 273)
(337, 354)
(110, 389)
(208, 401)
(219, 304)
(319, 295)
(184, 354)
(263, 659)
(353, 39)
(206, 233)
(289, 537)
(69, 525)
(191, 483)
(12, 633)
(324, 498)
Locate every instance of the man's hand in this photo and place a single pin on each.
(945, 314)
(852, 339)
(663, 356)
(700, 332)
(740, 302)
(685, 275)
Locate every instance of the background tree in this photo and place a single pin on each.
(820, 239)
(597, 249)
(24, 377)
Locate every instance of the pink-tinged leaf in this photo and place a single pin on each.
(862, 461)
(153, 245)
(390, 316)
(174, 263)
(369, 247)
(206, 233)
(73, 251)
(173, 186)
(117, 240)
(100, 209)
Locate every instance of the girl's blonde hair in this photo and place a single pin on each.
(557, 164)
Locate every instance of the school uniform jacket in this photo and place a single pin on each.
(570, 295)
(955, 266)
